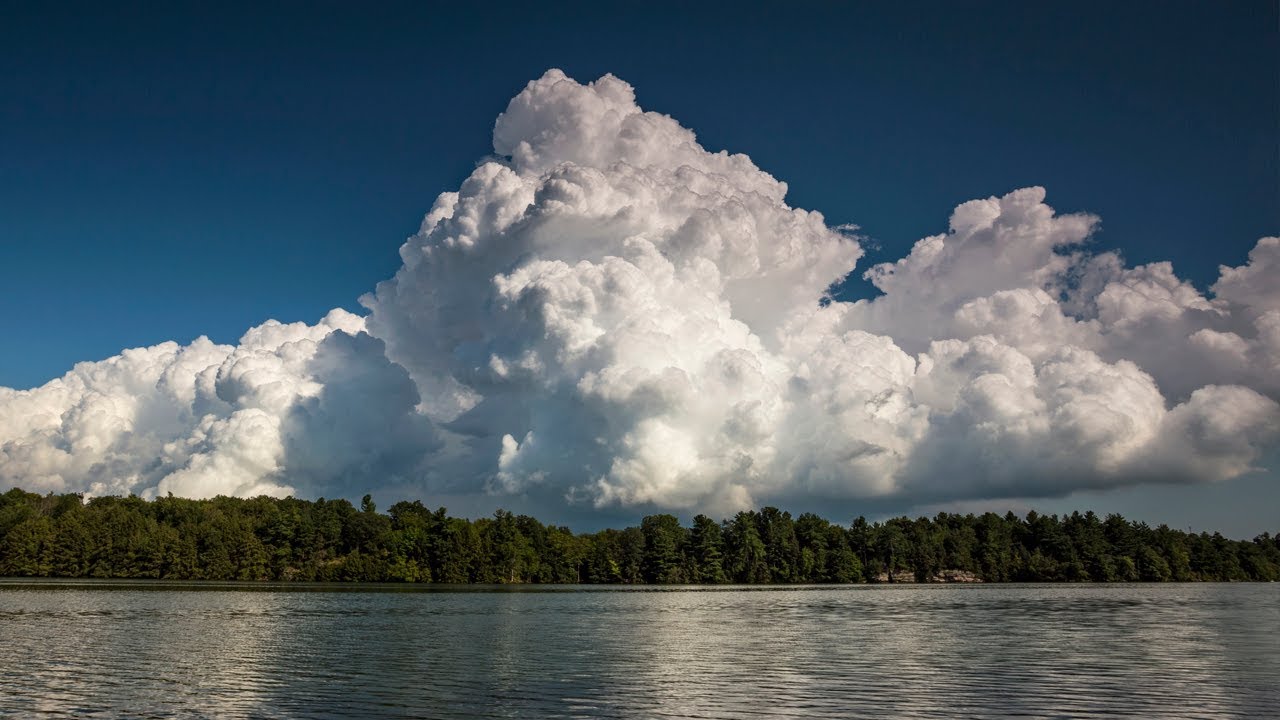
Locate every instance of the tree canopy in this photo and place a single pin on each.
(266, 538)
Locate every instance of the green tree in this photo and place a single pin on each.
(663, 545)
(891, 546)
(782, 549)
(706, 548)
(745, 550)
(26, 549)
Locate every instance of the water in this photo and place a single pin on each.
(128, 649)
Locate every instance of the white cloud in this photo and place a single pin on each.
(608, 314)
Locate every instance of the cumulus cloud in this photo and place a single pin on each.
(198, 420)
(607, 314)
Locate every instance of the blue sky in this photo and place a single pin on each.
(195, 169)
(172, 172)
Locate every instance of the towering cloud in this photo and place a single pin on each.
(605, 313)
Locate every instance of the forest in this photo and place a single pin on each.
(289, 539)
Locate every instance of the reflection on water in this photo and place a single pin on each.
(120, 649)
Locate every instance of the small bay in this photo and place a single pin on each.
(157, 649)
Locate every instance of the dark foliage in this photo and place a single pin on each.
(268, 539)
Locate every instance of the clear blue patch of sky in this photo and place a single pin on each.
(172, 170)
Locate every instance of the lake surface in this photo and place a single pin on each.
(130, 649)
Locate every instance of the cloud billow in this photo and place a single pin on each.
(607, 314)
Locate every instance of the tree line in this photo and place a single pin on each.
(267, 538)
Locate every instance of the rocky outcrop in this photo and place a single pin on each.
(956, 576)
(942, 576)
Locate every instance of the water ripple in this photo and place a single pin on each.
(158, 651)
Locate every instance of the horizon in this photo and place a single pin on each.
(687, 519)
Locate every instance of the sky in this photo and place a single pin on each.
(191, 171)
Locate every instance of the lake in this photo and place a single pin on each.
(138, 649)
